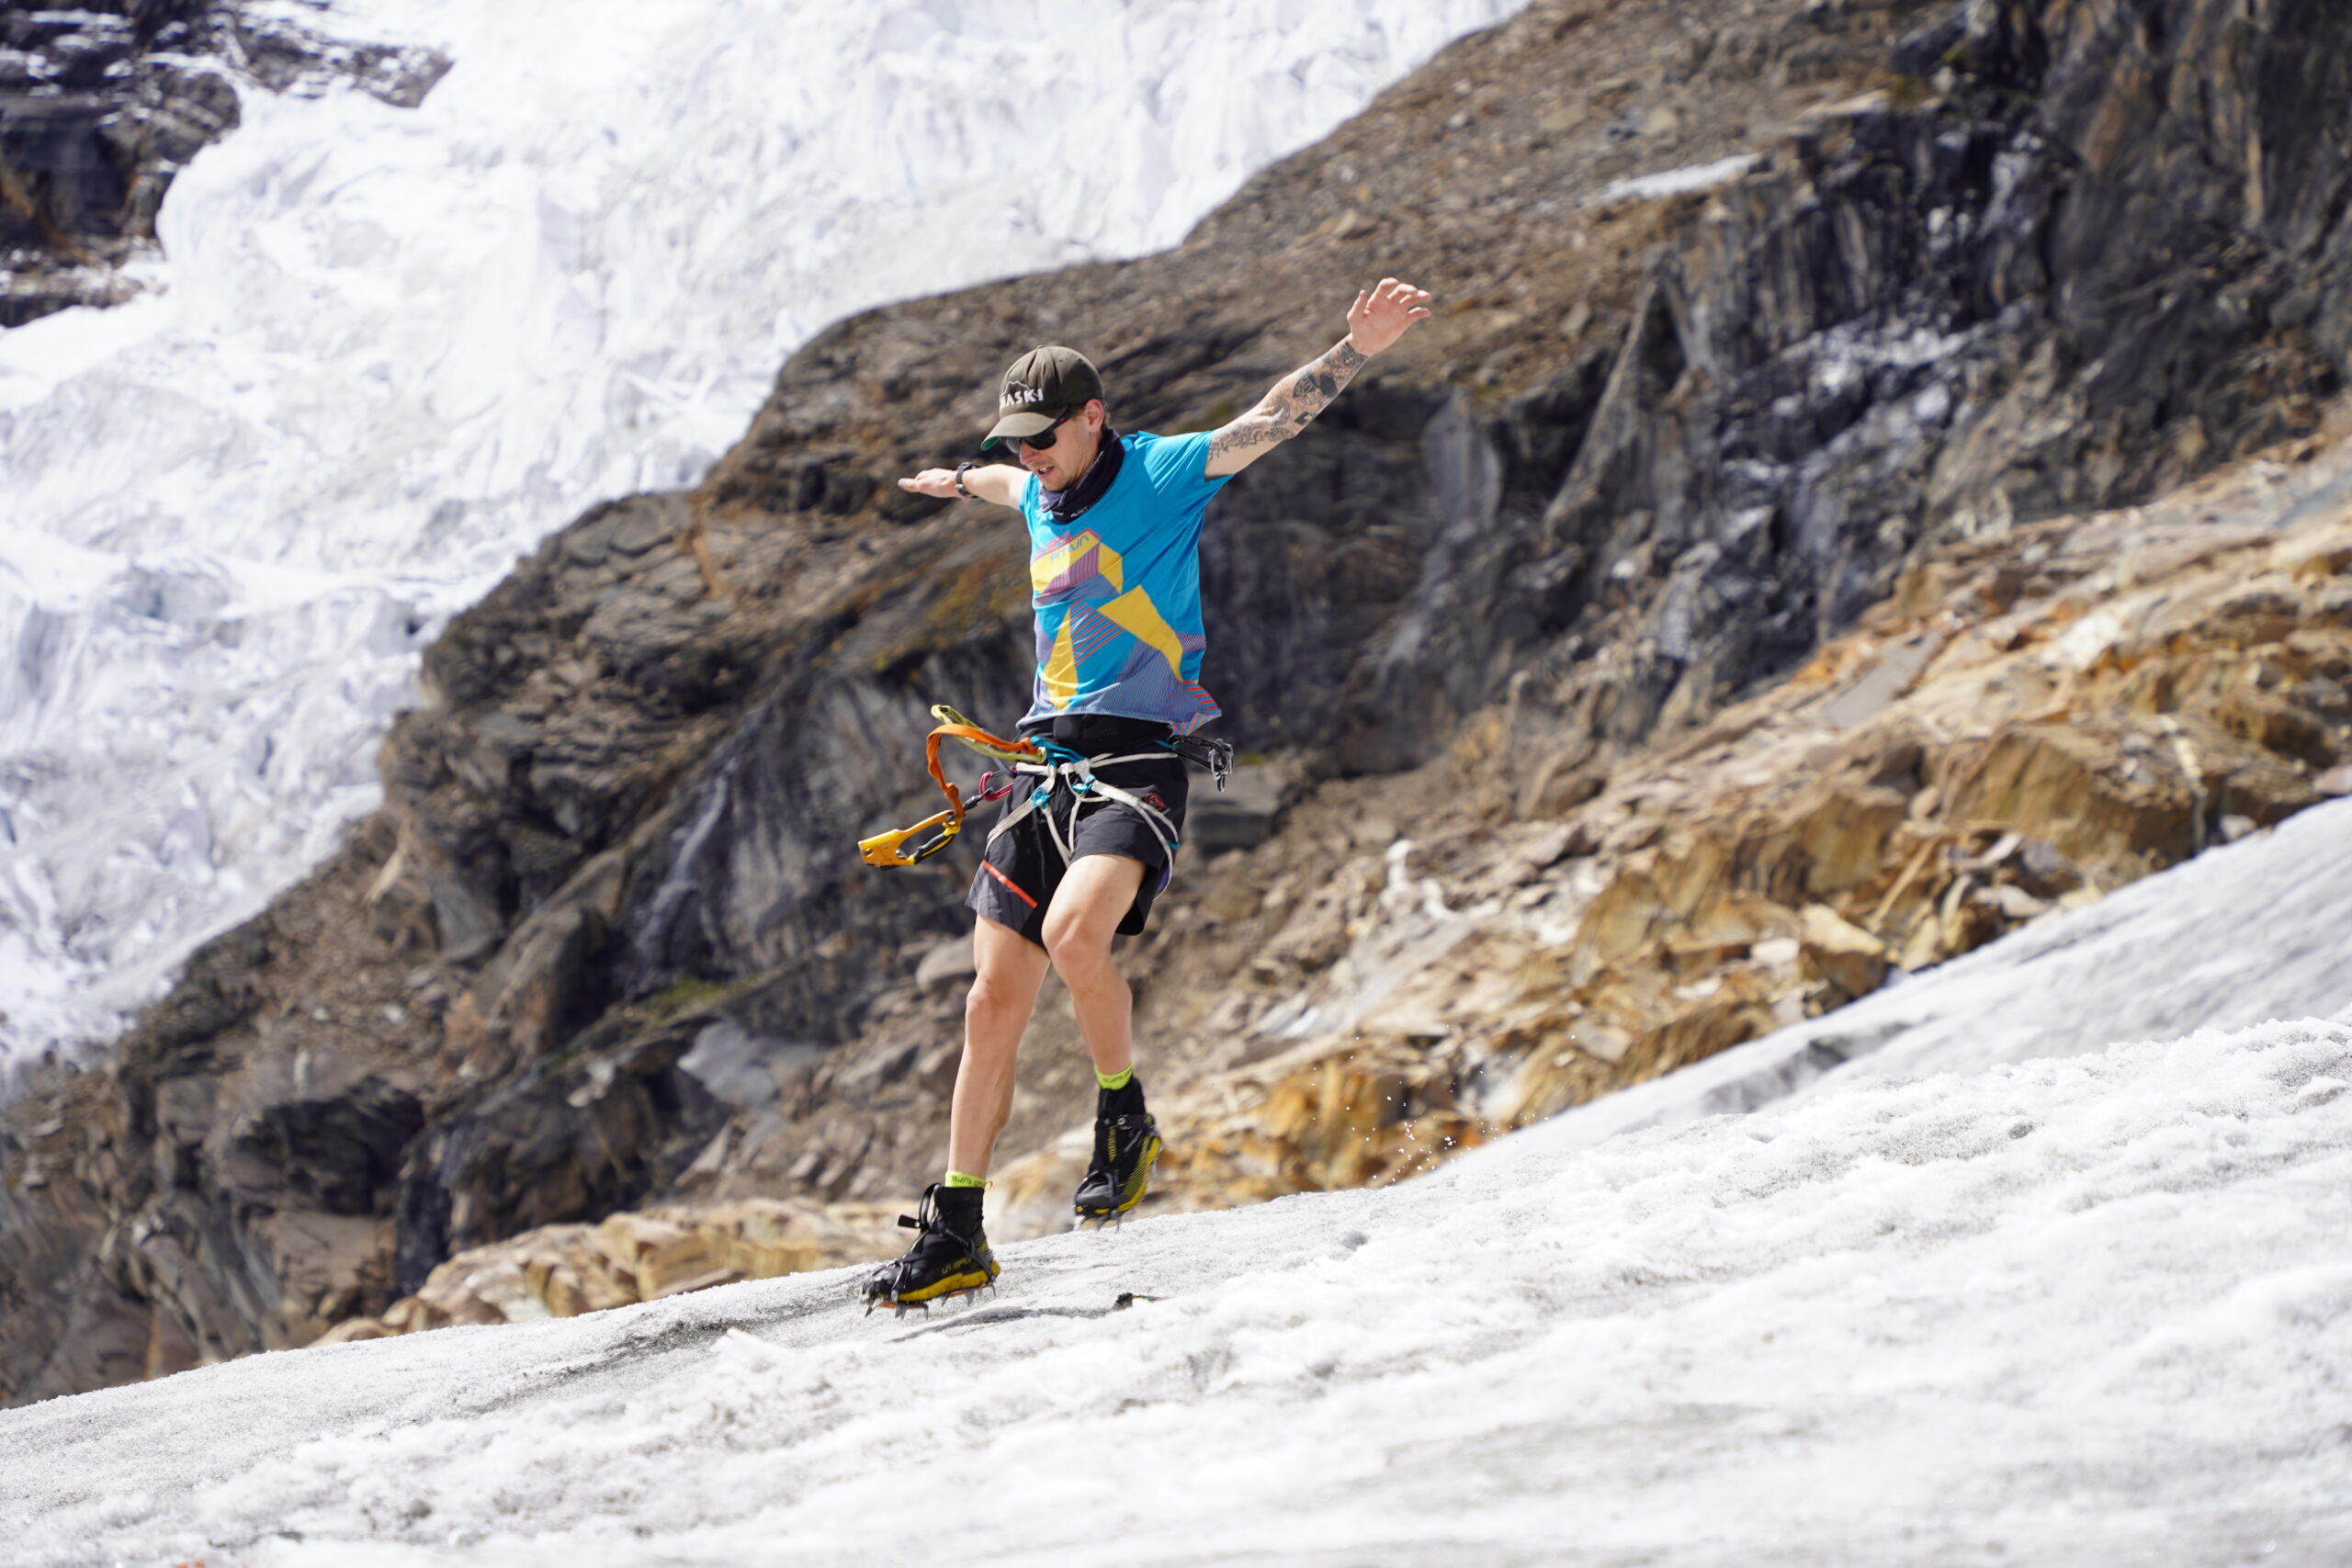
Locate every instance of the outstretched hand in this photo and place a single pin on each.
(1380, 315)
(937, 483)
(998, 484)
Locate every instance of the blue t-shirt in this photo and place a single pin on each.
(1118, 596)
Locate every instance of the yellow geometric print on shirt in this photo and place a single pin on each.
(1067, 564)
(1134, 613)
(1061, 671)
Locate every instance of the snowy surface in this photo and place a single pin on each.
(392, 348)
(1678, 182)
(2089, 1308)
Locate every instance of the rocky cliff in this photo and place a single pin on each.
(2026, 724)
(1687, 626)
(101, 106)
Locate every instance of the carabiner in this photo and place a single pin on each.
(883, 847)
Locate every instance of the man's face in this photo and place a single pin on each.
(1076, 441)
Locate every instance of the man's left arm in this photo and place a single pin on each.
(1379, 317)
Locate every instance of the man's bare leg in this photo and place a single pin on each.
(1093, 898)
(951, 1258)
(1009, 969)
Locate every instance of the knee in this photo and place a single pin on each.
(991, 997)
(1072, 946)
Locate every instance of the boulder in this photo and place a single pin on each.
(1839, 953)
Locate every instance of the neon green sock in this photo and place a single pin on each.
(1119, 1079)
(957, 1179)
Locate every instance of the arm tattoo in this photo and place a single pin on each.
(1293, 402)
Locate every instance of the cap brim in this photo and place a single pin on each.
(1013, 426)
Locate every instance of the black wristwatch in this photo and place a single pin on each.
(967, 495)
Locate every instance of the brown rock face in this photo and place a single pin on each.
(564, 1270)
(1838, 955)
(1733, 591)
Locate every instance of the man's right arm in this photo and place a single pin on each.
(999, 482)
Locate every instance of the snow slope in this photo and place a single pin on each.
(392, 348)
(2092, 1307)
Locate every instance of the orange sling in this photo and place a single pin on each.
(885, 848)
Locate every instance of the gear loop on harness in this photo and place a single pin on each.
(1214, 757)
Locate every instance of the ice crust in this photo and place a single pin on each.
(2031, 1298)
(392, 348)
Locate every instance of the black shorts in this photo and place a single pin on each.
(1021, 868)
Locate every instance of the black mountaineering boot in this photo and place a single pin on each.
(951, 1258)
(1126, 1141)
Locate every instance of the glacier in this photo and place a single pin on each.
(2056, 1273)
(389, 349)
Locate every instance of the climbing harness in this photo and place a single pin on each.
(1059, 771)
(1069, 772)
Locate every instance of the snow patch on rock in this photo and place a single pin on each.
(1677, 182)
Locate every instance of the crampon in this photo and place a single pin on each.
(1125, 1149)
(949, 1261)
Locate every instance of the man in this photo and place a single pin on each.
(1114, 525)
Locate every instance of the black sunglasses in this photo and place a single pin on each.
(1043, 439)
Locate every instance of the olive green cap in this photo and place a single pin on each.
(1041, 387)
